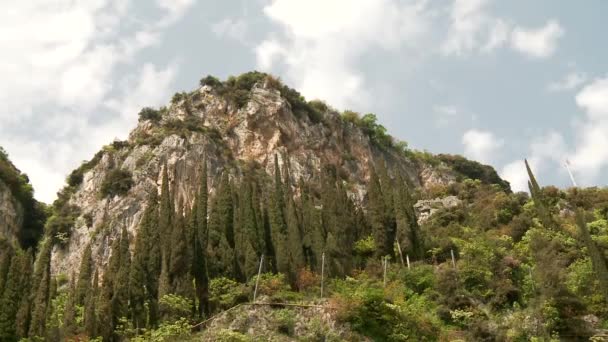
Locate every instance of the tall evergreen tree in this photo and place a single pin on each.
(9, 303)
(120, 291)
(165, 218)
(200, 243)
(598, 261)
(378, 216)
(41, 285)
(6, 253)
(277, 221)
(106, 303)
(542, 208)
(22, 320)
(69, 316)
(181, 259)
(84, 276)
(90, 313)
(408, 231)
(294, 231)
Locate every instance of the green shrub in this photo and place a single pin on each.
(117, 182)
(419, 278)
(286, 321)
(175, 306)
(474, 170)
(151, 114)
(210, 81)
(225, 293)
(226, 335)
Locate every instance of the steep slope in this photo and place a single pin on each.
(21, 216)
(238, 125)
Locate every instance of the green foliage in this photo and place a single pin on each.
(178, 330)
(377, 133)
(226, 335)
(117, 182)
(385, 315)
(175, 306)
(151, 114)
(210, 81)
(365, 247)
(286, 321)
(225, 293)
(474, 170)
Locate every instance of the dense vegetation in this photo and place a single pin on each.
(34, 213)
(498, 266)
(525, 268)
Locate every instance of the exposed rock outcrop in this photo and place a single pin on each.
(11, 213)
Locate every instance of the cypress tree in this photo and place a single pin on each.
(294, 232)
(377, 212)
(165, 219)
(22, 320)
(598, 260)
(408, 231)
(153, 260)
(69, 316)
(542, 210)
(143, 277)
(386, 188)
(312, 230)
(41, 283)
(90, 314)
(220, 255)
(11, 297)
(277, 221)
(120, 292)
(6, 251)
(84, 276)
(200, 243)
(181, 260)
(106, 302)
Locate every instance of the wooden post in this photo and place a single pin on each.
(453, 259)
(257, 280)
(531, 279)
(322, 272)
(385, 264)
(407, 256)
(400, 253)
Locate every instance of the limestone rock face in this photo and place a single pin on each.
(11, 213)
(228, 137)
(426, 208)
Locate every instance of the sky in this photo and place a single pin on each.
(496, 81)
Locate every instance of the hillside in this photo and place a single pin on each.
(359, 237)
(21, 216)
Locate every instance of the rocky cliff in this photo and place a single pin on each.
(232, 133)
(11, 213)
(21, 216)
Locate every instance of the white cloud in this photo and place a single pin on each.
(571, 81)
(546, 152)
(473, 27)
(590, 155)
(537, 43)
(231, 28)
(59, 66)
(481, 145)
(445, 114)
(321, 42)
